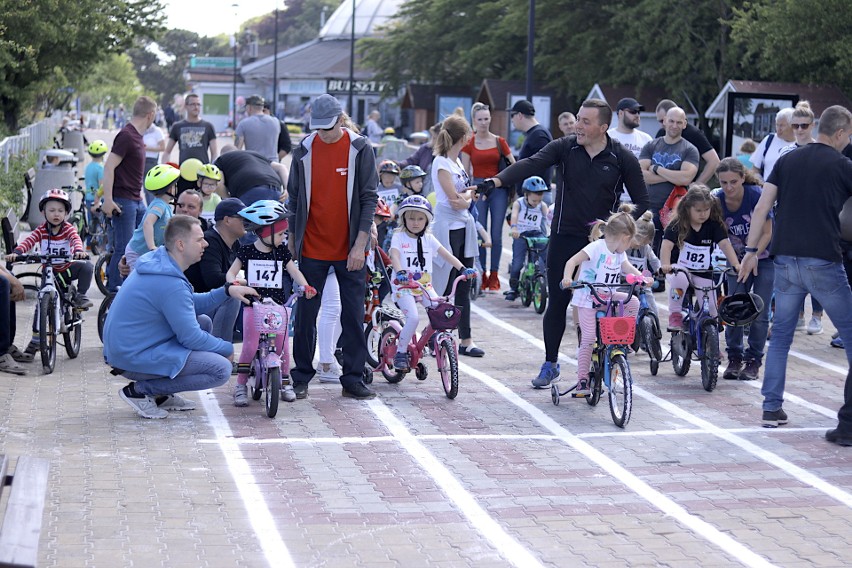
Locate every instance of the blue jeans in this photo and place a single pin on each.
(224, 317)
(132, 211)
(494, 207)
(762, 285)
(795, 277)
(203, 370)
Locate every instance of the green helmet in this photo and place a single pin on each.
(160, 177)
(98, 148)
(210, 171)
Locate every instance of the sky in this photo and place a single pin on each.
(214, 17)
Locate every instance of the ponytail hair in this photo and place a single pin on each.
(619, 224)
(645, 228)
(453, 129)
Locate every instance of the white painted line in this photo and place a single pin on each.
(260, 517)
(372, 439)
(813, 360)
(657, 499)
(771, 458)
(507, 546)
(695, 432)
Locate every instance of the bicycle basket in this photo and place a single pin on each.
(270, 317)
(444, 316)
(617, 330)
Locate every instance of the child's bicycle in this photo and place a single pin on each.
(613, 334)
(377, 315)
(532, 286)
(698, 339)
(101, 279)
(443, 319)
(79, 215)
(269, 367)
(648, 332)
(55, 311)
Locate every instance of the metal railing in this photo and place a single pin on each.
(30, 139)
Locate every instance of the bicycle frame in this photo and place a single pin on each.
(266, 356)
(696, 318)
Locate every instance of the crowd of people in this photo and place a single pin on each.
(612, 199)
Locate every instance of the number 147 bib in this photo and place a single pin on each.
(265, 273)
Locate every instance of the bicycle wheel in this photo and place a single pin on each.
(373, 337)
(539, 294)
(74, 336)
(388, 344)
(101, 273)
(620, 390)
(475, 286)
(525, 292)
(273, 391)
(650, 342)
(47, 331)
(710, 359)
(681, 353)
(78, 220)
(448, 366)
(258, 371)
(103, 310)
(596, 377)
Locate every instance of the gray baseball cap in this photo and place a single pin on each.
(324, 112)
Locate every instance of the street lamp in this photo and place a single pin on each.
(274, 106)
(351, 108)
(236, 7)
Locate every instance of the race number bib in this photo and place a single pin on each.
(530, 220)
(209, 216)
(641, 264)
(694, 257)
(55, 246)
(411, 263)
(390, 196)
(265, 274)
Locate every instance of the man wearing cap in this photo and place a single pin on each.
(258, 131)
(536, 137)
(627, 131)
(332, 196)
(209, 273)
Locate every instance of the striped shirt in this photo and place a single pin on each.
(66, 241)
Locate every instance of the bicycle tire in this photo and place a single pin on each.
(525, 292)
(681, 353)
(101, 273)
(448, 367)
(74, 336)
(596, 387)
(710, 359)
(475, 286)
(103, 311)
(373, 337)
(389, 345)
(649, 338)
(273, 391)
(79, 223)
(539, 294)
(47, 331)
(620, 390)
(257, 386)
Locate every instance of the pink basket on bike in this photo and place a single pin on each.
(617, 330)
(270, 318)
(444, 315)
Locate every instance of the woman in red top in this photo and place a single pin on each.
(481, 158)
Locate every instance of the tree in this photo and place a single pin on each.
(298, 22)
(113, 81)
(44, 39)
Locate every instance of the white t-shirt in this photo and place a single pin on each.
(767, 162)
(634, 141)
(530, 218)
(603, 266)
(152, 137)
(460, 181)
(406, 245)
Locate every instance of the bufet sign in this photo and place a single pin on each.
(358, 87)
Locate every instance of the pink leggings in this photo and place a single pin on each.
(587, 333)
(251, 337)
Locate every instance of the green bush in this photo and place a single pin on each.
(12, 181)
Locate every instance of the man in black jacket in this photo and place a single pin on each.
(594, 168)
(209, 273)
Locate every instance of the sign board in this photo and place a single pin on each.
(359, 87)
(752, 116)
(214, 62)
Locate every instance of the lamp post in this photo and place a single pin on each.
(351, 108)
(235, 6)
(275, 65)
(530, 51)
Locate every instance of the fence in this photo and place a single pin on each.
(30, 139)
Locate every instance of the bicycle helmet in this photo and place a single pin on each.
(740, 309)
(415, 203)
(98, 148)
(409, 173)
(263, 213)
(535, 184)
(210, 171)
(389, 167)
(382, 209)
(161, 177)
(59, 195)
(189, 169)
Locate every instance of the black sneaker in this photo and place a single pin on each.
(837, 437)
(774, 418)
(732, 372)
(301, 390)
(358, 391)
(751, 370)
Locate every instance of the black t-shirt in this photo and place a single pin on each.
(209, 273)
(813, 183)
(269, 277)
(284, 142)
(535, 139)
(694, 135)
(193, 139)
(244, 169)
(697, 246)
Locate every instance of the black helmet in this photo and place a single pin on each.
(740, 309)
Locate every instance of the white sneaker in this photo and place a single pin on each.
(176, 402)
(329, 372)
(145, 406)
(800, 325)
(287, 392)
(240, 395)
(815, 326)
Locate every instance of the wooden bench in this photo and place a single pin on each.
(21, 526)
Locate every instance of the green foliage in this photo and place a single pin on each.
(298, 22)
(12, 181)
(113, 81)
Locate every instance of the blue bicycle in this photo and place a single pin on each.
(648, 332)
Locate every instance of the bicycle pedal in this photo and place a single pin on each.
(580, 395)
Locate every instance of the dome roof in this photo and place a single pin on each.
(369, 14)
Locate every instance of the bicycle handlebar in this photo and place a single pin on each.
(416, 285)
(593, 286)
(714, 271)
(40, 258)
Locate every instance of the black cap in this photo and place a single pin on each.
(228, 207)
(628, 104)
(523, 107)
(255, 100)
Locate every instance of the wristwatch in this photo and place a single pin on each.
(655, 168)
(752, 250)
(227, 288)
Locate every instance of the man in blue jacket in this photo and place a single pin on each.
(152, 334)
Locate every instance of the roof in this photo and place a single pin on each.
(319, 59)
(425, 96)
(647, 96)
(819, 96)
(369, 14)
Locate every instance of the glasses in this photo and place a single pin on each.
(801, 125)
(632, 111)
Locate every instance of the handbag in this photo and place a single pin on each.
(504, 161)
(669, 207)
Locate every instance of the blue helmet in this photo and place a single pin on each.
(535, 184)
(262, 213)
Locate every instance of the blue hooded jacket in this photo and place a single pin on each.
(152, 326)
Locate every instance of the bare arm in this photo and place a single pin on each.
(457, 200)
(448, 256)
(683, 176)
(148, 231)
(711, 159)
(571, 267)
(214, 150)
(167, 154)
(236, 266)
(666, 256)
(730, 254)
(465, 160)
(109, 206)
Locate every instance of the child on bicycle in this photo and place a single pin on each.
(604, 261)
(690, 237)
(58, 236)
(264, 262)
(93, 178)
(528, 219)
(641, 254)
(412, 250)
(161, 181)
(209, 177)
